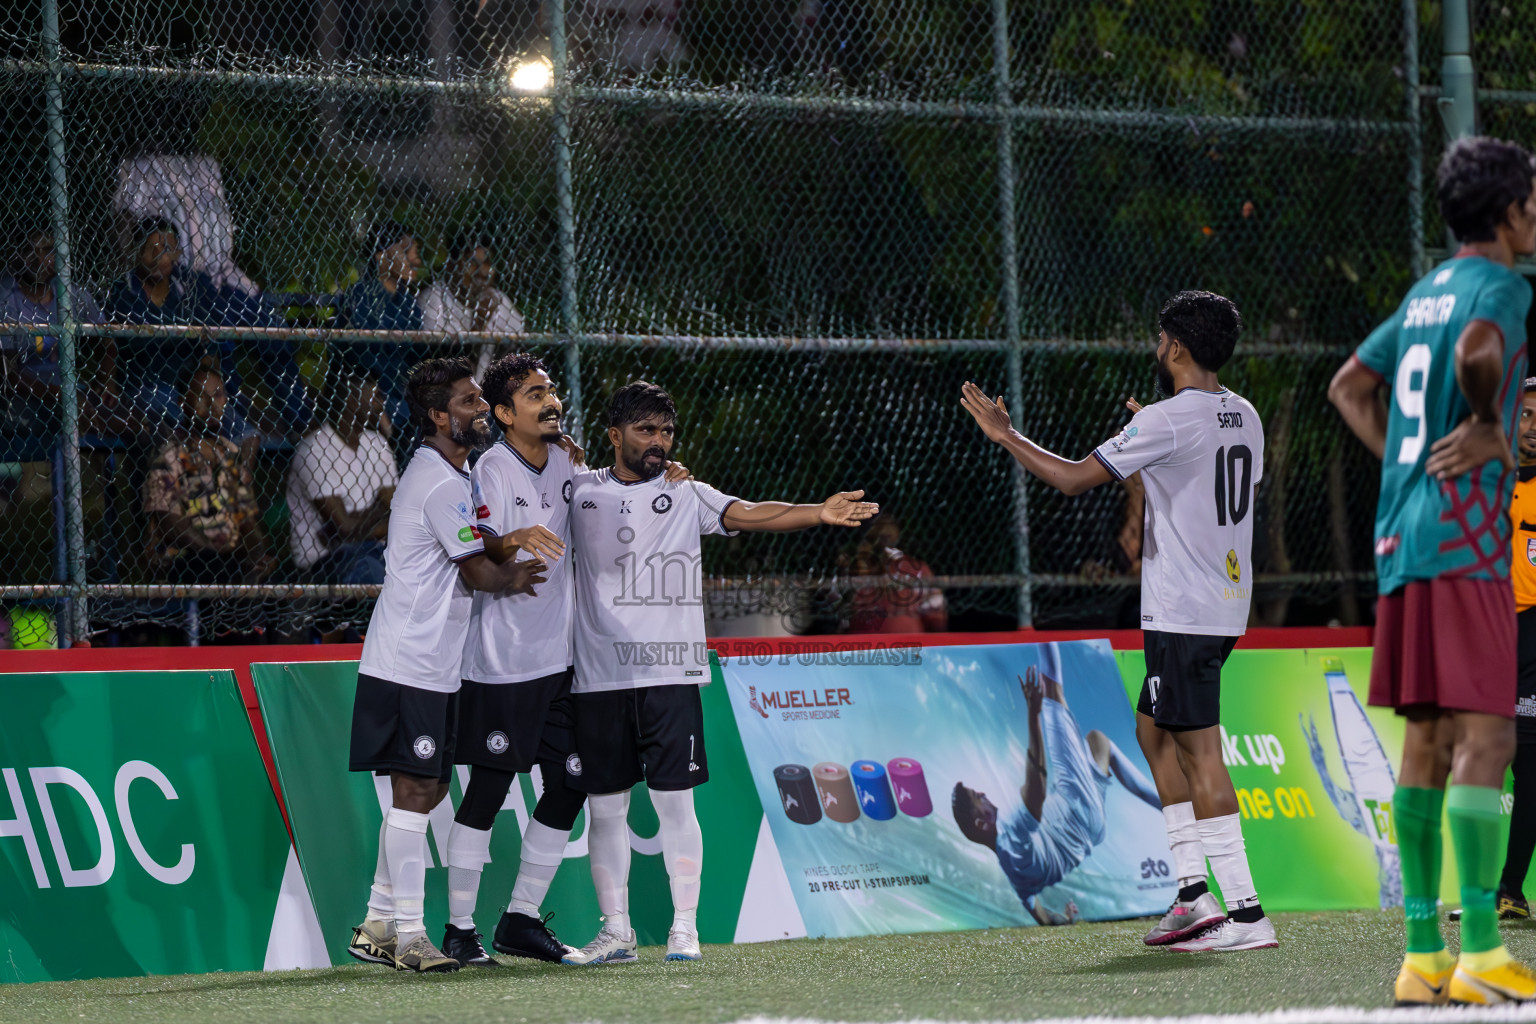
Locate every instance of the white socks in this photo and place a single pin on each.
(405, 848)
(469, 851)
(381, 898)
(1222, 840)
(543, 849)
(682, 847)
(1184, 842)
(608, 844)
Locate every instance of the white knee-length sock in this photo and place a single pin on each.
(381, 898)
(1184, 843)
(469, 851)
(405, 844)
(1222, 839)
(682, 847)
(608, 844)
(543, 850)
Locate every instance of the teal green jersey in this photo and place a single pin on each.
(1426, 529)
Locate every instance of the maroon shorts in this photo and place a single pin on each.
(1447, 643)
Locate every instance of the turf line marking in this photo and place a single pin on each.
(1507, 1014)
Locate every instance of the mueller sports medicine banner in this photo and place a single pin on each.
(947, 788)
(138, 831)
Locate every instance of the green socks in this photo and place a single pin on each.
(1474, 813)
(1416, 813)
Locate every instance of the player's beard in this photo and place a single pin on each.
(1164, 378)
(549, 428)
(639, 467)
(475, 434)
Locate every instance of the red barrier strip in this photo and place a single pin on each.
(240, 659)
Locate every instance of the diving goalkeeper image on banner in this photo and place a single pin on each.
(953, 788)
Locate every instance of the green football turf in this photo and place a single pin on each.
(1339, 959)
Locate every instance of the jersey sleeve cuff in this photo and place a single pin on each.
(1107, 465)
(466, 554)
(1381, 377)
(724, 509)
(487, 530)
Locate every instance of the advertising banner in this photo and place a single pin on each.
(1315, 771)
(138, 831)
(336, 814)
(945, 788)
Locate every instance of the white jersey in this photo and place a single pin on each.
(417, 632)
(1201, 457)
(517, 637)
(640, 580)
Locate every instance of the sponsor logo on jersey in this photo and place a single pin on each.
(663, 503)
(521, 503)
(1120, 440)
(424, 747)
(1530, 550)
(468, 533)
(496, 742)
(693, 767)
(464, 511)
(573, 765)
(482, 512)
(589, 504)
(565, 491)
(1386, 545)
(1444, 275)
(1234, 567)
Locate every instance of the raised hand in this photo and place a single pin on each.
(538, 540)
(676, 471)
(1473, 444)
(1034, 693)
(845, 509)
(990, 414)
(577, 453)
(526, 575)
(1133, 405)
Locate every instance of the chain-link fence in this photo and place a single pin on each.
(810, 220)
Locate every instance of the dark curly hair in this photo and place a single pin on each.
(430, 383)
(1205, 323)
(1477, 180)
(506, 375)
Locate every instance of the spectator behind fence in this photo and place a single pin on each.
(198, 495)
(341, 483)
(158, 290)
(29, 360)
(382, 301)
(903, 605)
(467, 299)
(187, 191)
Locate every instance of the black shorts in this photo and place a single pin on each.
(1525, 690)
(654, 734)
(397, 728)
(1182, 690)
(513, 726)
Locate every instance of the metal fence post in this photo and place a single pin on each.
(1458, 79)
(1008, 250)
(565, 206)
(1416, 146)
(76, 614)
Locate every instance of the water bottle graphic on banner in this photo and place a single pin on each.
(1365, 800)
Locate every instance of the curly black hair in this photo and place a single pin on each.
(1205, 323)
(430, 383)
(506, 375)
(1477, 180)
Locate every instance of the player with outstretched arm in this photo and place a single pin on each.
(1200, 453)
(641, 656)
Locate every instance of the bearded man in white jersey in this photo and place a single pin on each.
(404, 718)
(641, 655)
(1200, 453)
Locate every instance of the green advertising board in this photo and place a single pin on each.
(134, 809)
(1314, 769)
(335, 815)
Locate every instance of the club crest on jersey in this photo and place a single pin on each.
(663, 503)
(424, 747)
(1234, 567)
(496, 742)
(573, 765)
(1530, 550)
(565, 491)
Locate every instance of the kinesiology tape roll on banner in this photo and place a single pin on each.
(875, 798)
(797, 794)
(837, 797)
(911, 787)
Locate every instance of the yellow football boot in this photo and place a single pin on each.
(1508, 982)
(1417, 986)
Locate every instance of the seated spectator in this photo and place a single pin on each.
(382, 301)
(29, 361)
(158, 290)
(202, 511)
(341, 483)
(188, 191)
(467, 299)
(902, 606)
